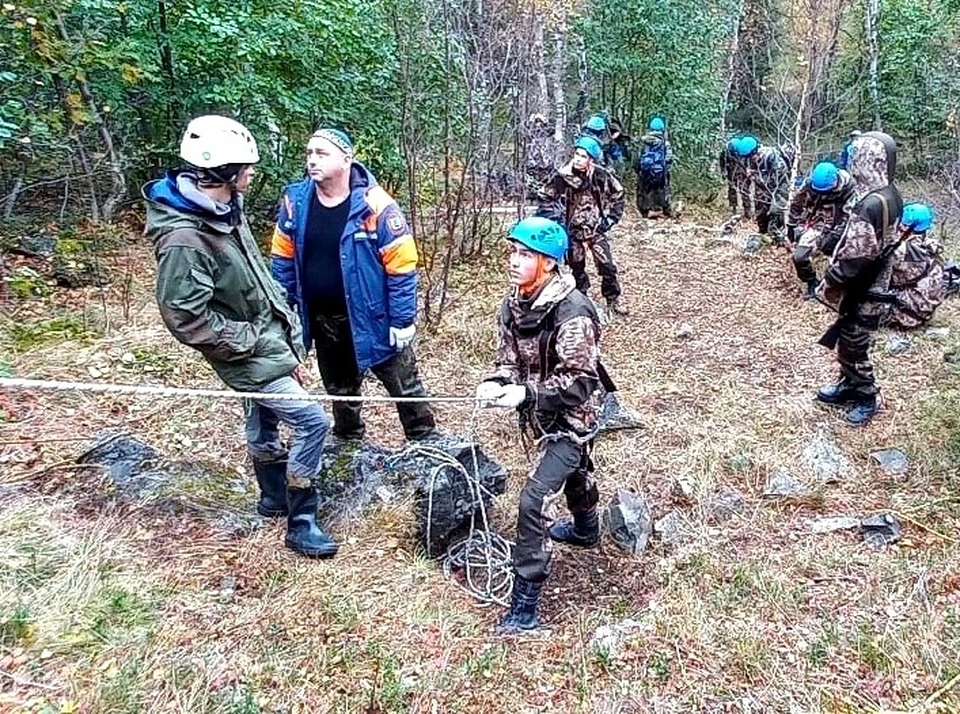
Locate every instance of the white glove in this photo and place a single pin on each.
(402, 337)
(488, 392)
(512, 396)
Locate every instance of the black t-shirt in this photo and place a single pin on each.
(322, 272)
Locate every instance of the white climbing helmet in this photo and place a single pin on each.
(211, 141)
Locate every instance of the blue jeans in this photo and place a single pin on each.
(308, 420)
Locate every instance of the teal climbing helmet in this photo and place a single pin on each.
(596, 123)
(656, 124)
(746, 145)
(590, 145)
(542, 236)
(917, 216)
(824, 177)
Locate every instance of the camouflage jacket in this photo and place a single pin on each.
(586, 196)
(551, 344)
(826, 211)
(770, 173)
(871, 230)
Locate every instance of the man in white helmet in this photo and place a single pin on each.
(216, 295)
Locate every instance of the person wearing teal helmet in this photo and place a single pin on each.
(733, 168)
(918, 279)
(769, 172)
(653, 171)
(588, 200)
(817, 217)
(547, 368)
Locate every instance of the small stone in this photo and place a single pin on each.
(630, 521)
(725, 505)
(938, 333)
(897, 345)
(781, 484)
(892, 461)
(825, 458)
(740, 463)
(385, 494)
(753, 245)
(880, 530)
(228, 589)
(672, 528)
(684, 331)
(683, 488)
(615, 415)
(834, 523)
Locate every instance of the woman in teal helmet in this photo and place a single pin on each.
(547, 369)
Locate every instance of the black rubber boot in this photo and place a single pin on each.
(522, 616)
(272, 480)
(583, 531)
(304, 534)
(862, 412)
(837, 394)
(811, 291)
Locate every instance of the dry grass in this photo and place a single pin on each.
(104, 609)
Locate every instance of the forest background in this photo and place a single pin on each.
(94, 93)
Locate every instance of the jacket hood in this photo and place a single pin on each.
(873, 161)
(175, 201)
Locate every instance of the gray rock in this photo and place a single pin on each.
(940, 334)
(228, 589)
(825, 458)
(672, 528)
(615, 415)
(685, 331)
(834, 523)
(718, 241)
(892, 461)
(446, 496)
(781, 484)
(683, 488)
(880, 530)
(725, 505)
(897, 345)
(140, 477)
(753, 245)
(740, 463)
(39, 246)
(630, 522)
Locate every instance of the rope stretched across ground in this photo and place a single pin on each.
(483, 557)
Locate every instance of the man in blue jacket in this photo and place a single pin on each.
(344, 253)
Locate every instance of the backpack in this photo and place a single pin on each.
(652, 164)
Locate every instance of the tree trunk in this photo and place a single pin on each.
(872, 21)
(731, 69)
(116, 166)
(11, 201)
(559, 100)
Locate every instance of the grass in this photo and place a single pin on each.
(110, 608)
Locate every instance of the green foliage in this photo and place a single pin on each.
(26, 336)
(15, 626)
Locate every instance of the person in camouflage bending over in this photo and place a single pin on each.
(589, 201)
(547, 367)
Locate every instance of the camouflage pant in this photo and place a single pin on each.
(853, 354)
(338, 369)
(598, 245)
(738, 191)
(813, 242)
(652, 198)
(563, 466)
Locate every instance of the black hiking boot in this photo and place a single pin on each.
(583, 531)
(862, 412)
(837, 394)
(304, 534)
(617, 307)
(522, 616)
(272, 480)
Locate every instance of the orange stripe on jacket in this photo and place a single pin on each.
(400, 256)
(281, 245)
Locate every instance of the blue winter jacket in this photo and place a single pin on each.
(378, 257)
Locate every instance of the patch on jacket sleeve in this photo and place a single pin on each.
(396, 223)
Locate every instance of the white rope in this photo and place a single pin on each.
(146, 390)
(484, 558)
